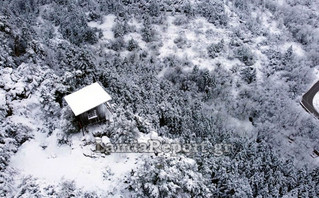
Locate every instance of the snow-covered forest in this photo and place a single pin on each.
(220, 71)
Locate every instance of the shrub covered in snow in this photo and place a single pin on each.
(245, 55)
(167, 177)
(214, 49)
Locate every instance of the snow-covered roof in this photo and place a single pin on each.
(87, 98)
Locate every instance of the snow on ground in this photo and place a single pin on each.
(296, 48)
(135, 23)
(25, 112)
(267, 21)
(2, 99)
(316, 74)
(198, 34)
(300, 149)
(105, 26)
(261, 59)
(233, 17)
(47, 161)
(44, 159)
(245, 128)
(5, 75)
(162, 73)
(281, 2)
(137, 26)
(137, 37)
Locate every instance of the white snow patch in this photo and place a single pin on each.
(27, 112)
(267, 21)
(316, 73)
(245, 128)
(2, 99)
(137, 37)
(44, 159)
(137, 26)
(6, 81)
(281, 2)
(259, 39)
(133, 22)
(273, 28)
(197, 35)
(296, 48)
(261, 60)
(105, 26)
(162, 72)
(18, 88)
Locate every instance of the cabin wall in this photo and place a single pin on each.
(100, 110)
(101, 115)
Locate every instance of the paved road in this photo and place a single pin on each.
(307, 100)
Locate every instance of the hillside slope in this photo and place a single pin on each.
(213, 71)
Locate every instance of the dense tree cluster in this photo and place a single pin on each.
(49, 48)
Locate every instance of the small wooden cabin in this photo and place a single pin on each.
(90, 104)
